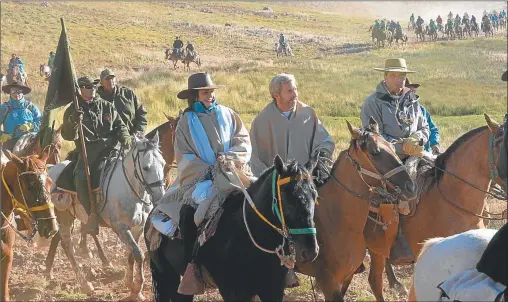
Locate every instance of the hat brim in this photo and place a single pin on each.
(505, 76)
(396, 69)
(7, 89)
(413, 86)
(184, 94)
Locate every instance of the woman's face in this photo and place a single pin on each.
(206, 96)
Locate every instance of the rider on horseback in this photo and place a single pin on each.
(102, 129)
(177, 46)
(18, 115)
(190, 48)
(465, 19)
(397, 108)
(412, 18)
(51, 59)
(419, 21)
(15, 60)
(282, 40)
(432, 26)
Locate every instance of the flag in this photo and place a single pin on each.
(62, 84)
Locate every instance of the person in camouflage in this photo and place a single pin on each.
(126, 103)
(103, 129)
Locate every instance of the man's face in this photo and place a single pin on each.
(109, 83)
(206, 96)
(395, 81)
(88, 92)
(288, 95)
(16, 94)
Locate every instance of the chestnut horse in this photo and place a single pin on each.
(369, 163)
(25, 185)
(453, 203)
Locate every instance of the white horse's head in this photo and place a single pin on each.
(148, 165)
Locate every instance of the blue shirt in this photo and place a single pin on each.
(16, 113)
(434, 132)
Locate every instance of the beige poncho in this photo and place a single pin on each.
(294, 138)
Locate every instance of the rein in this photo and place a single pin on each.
(23, 206)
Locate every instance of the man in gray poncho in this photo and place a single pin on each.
(292, 130)
(397, 111)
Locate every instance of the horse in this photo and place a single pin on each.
(15, 75)
(451, 194)
(166, 132)
(286, 49)
(487, 29)
(30, 143)
(420, 32)
(191, 57)
(140, 171)
(432, 33)
(45, 71)
(370, 162)
(441, 258)
(25, 185)
(449, 31)
(459, 30)
(172, 55)
(474, 28)
(378, 36)
(399, 36)
(245, 254)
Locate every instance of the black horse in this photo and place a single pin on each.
(238, 267)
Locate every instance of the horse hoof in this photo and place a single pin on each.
(49, 275)
(87, 288)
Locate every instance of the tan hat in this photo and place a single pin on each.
(198, 81)
(395, 65)
(24, 89)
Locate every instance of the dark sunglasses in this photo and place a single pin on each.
(88, 86)
(19, 91)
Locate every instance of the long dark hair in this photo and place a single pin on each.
(193, 97)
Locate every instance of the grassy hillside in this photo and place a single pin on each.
(334, 65)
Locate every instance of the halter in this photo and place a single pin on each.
(23, 206)
(286, 260)
(139, 176)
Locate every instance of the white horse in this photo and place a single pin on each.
(442, 258)
(129, 188)
(280, 49)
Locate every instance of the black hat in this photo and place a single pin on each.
(7, 88)
(198, 81)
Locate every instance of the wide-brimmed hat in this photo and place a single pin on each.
(198, 81)
(408, 84)
(505, 76)
(7, 88)
(395, 65)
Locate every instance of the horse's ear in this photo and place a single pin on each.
(155, 139)
(12, 157)
(492, 124)
(311, 164)
(355, 132)
(279, 165)
(373, 125)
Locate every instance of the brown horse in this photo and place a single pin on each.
(167, 138)
(453, 203)
(171, 55)
(30, 144)
(191, 58)
(344, 203)
(25, 185)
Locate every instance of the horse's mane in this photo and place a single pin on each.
(161, 128)
(442, 159)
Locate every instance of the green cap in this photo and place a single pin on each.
(87, 80)
(106, 73)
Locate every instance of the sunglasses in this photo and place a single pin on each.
(88, 86)
(17, 91)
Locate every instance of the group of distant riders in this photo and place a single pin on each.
(488, 20)
(178, 47)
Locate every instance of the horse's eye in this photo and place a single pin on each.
(146, 169)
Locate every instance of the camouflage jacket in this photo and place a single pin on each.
(102, 127)
(128, 106)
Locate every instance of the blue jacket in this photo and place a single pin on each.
(434, 132)
(14, 114)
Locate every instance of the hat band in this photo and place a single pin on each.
(390, 68)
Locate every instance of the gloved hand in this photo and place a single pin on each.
(5, 137)
(412, 147)
(126, 143)
(26, 127)
(77, 116)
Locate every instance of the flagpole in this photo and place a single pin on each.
(82, 143)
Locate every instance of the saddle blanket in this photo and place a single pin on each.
(471, 285)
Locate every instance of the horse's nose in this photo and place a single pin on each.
(410, 187)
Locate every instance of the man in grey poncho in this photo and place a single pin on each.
(292, 130)
(401, 121)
